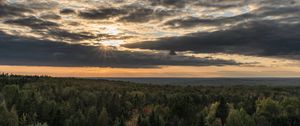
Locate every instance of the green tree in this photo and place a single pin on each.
(143, 121)
(103, 118)
(267, 107)
(268, 112)
(39, 124)
(222, 111)
(119, 122)
(239, 118)
(11, 94)
(92, 116)
(155, 119)
(8, 118)
(210, 113)
(291, 106)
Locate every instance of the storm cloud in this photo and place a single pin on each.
(266, 38)
(73, 33)
(33, 52)
(102, 13)
(128, 13)
(33, 22)
(268, 31)
(9, 10)
(257, 15)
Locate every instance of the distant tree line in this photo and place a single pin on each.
(46, 101)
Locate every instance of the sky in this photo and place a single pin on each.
(150, 38)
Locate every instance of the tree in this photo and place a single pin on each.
(268, 112)
(222, 111)
(11, 93)
(267, 107)
(155, 119)
(210, 113)
(119, 122)
(143, 121)
(103, 118)
(291, 106)
(39, 124)
(92, 116)
(8, 118)
(239, 118)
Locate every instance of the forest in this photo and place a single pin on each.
(49, 101)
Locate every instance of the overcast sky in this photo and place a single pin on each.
(151, 38)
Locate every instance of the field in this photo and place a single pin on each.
(47, 101)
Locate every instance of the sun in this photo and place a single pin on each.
(112, 30)
(114, 43)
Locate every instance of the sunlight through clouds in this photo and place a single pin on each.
(153, 33)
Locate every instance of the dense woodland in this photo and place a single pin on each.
(46, 101)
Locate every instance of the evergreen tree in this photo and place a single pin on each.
(119, 122)
(103, 118)
(222, 111)
(11, 94)
(239, 118)
(92, 116)
(143, 121)
(8, 118)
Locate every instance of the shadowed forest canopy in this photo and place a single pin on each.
(46, 101)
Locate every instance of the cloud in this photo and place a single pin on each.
(2, 2)
(51, 16)
(190, 22)
(67, 11)
(39, 25)
(50, 29)
(141, 14)
(221, 4)
(257, 38)
(64, 34)
(257, 15)
(177, 3)
(269, 30)
(272, 29)
(9, 10)
(33, 52)
(129, 13)
(102, 13)
(32, 22)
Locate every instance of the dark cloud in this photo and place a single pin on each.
(50, 29)
(67, 11)
(145, 14)
(177, 3)
(138, 15)
(219, 4)
(102, 13)
(189, 22)
(222, 4)
(278, 11)
(259, 14)
(40, 4)
(129, 13)
(29, 51)
(259, 38)
(64, 34)
(10, 10)
(206, 3)
(32, 22)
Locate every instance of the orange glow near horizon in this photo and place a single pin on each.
(166, 71)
